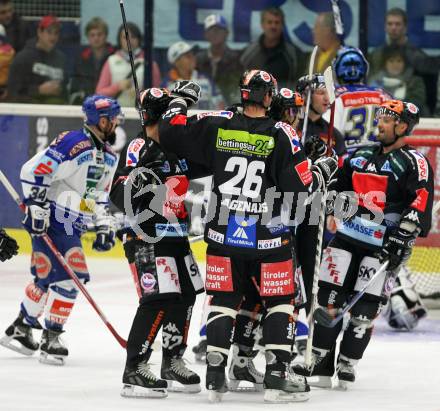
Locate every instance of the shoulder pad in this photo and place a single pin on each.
(290, 132)
(70, 144)
(133, 151)
(226, 114)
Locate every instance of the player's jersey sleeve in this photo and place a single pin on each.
(104, 184)
(420, 192)
(189, 137)
(56, 162)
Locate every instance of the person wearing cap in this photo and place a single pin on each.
(272, 53)
(220, 62)
(116, 78)
(38, 72)
(182, 59)
(7, 54)
(18, 31)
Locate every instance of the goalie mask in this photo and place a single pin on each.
(350, 66)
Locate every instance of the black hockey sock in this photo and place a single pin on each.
(146, 325)
(279, 330)
(176, 327)
(246, 324)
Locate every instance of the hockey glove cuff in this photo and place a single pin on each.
(37, 218)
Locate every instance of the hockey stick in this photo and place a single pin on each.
(196, 238)
(339, 26)
(133, 69)
(328, 78)
(309, 94)
(62, 261)
(322, 317)
(330, 87)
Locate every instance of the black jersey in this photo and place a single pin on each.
(397, 186)
(162, 207)
(254, 163)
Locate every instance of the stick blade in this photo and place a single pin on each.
(322, 317)
(329, 84)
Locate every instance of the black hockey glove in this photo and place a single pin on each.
(315, 148)
(397, 248)
(105, 233)
(188, 90)
(8, 246)
(326, 167)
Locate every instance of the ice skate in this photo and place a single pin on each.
(321, 371)
(18, 337)
(281, 385)
(52, 349)
(242, 370)
(215, 377)
(140, 382)
(199, 350)
(345, 372)
(178, 376)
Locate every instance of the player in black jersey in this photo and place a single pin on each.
(149, 186)
(393, 184)
(251, 158)
(8, 246)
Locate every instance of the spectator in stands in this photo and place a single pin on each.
(396, 30)
(182, 59)
(17, 30)
(272, 53)
(89, 63)
(219, 62)
(37, 74)
(398, 78)
(116, 78)
(328, 42)
(7, 53)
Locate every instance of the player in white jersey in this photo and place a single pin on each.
(65, 189)
(356, 103)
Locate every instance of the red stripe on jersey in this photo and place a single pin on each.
(362, 98)
(178, 120)
(369, 187)
(422, 198)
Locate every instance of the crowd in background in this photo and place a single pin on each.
(34, 69)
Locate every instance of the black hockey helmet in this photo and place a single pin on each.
(255, 84)
(304, 83)
(402, 111)
(285, 99)
(153, 102)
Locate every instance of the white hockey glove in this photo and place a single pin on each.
(37, 218)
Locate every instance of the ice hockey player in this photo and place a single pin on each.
(165, 272)
(65, 189)
(250, 156)
(8, 246)
(356, 103)
(394, 186)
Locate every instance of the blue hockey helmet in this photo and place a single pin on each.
(97, 106)
(350, 65)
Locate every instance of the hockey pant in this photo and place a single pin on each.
(229, 291)
(52, 291)
(345, 268)
(167, 280)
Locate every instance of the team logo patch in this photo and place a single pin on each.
(41, 263)
(422, 165)
(102, 103)
(148, 282)
(34, 293)
(156, 92)
(241, 232)
(412, 108)
(77, 261)
(277, 279)
(358, 162)
(46, 166)
(226, 114)
(286, 92)
(304, 173)
(291, 134)
(265, 76)
(218, 273)
(133, 151)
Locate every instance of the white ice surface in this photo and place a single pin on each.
(400, 371)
